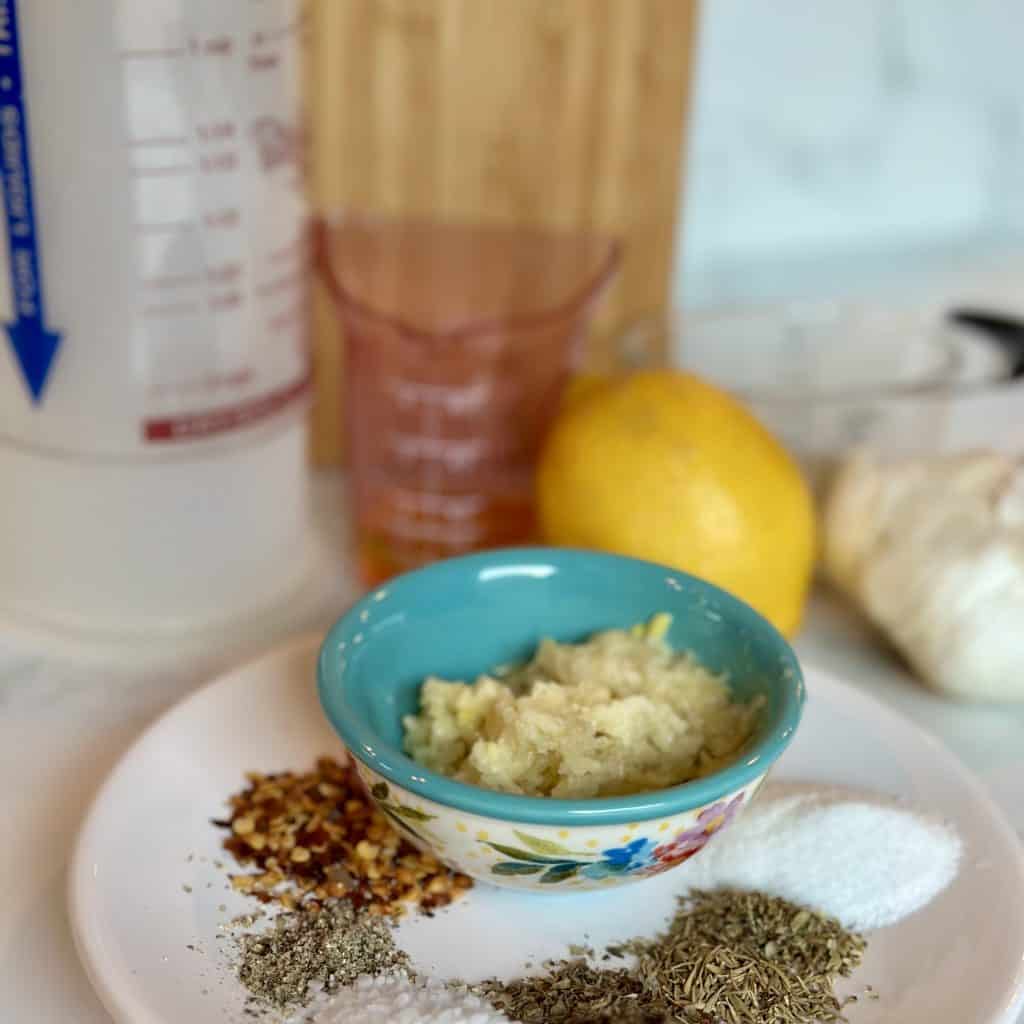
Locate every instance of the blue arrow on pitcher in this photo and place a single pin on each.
(34, 345)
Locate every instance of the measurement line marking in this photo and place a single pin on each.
(217, 420)
(264, 61)
(171, 309)
(281, 284)
(161, 140)
(212, 382)
(226, 274)
(274, 34)
(219, 163)
(227, 300)
(286, 318)
(228, 218)
(171, 225)
(285, 252)
(172, 280)
(174, 51)
(161, 172)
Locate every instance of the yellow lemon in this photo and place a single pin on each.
(662, 465)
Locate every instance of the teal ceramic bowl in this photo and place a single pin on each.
(463, 616)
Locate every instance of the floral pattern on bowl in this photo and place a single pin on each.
(639, 856)
(402, 815)
(521, 856)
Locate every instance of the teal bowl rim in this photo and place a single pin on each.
(366, 745)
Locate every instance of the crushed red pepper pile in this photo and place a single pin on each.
(317, 836)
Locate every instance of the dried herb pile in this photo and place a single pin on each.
(728, 957)
(577, 992)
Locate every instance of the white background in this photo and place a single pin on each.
(843, 140)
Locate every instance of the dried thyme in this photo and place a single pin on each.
(330, 945)
(728, 957)
(747, 957)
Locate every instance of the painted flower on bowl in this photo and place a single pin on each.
(550, 862)
(553, 863)
(711, 820)
(622, 860)
(402, 816)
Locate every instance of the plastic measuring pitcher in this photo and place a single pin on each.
(153, 276)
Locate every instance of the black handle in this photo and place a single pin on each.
(1006, 331)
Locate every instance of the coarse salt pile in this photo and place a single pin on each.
(869, 864)
(394, 999)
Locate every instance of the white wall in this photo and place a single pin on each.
(838, 140)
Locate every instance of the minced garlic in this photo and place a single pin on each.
(621, 713)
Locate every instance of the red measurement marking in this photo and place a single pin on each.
(270, 35)
(264, 61)
(211, 382)
(285, 252)
(161, 172)
(161, 140)
(171, 309)
(217, 421)
(215, 46)
(218, 163)
(172, 280)
(289, 318)
(229, 300)
(225, 274)
(172, 51)
(218, 46)
(232, 380)
(214, 131)
(171, 225)
(281, 284)
(222, 219)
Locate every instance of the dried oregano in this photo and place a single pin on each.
(330, 945)
(573, 992)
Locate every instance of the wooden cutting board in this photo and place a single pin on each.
(567, 113)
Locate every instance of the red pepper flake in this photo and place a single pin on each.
(317, 836)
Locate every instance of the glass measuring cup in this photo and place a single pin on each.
(459, 340)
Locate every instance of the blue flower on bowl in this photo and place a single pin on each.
(622, 860)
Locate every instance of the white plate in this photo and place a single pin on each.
(144, 887)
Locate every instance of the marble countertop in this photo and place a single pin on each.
(64, 725)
